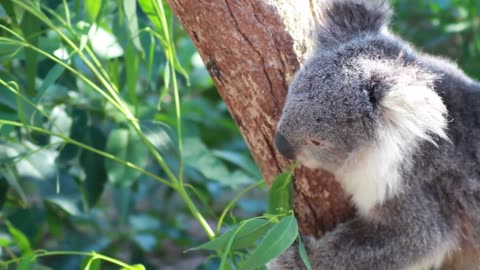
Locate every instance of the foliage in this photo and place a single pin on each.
(443, 27)
(98, 153)
(115, 144)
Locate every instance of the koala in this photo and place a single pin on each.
(399, 129)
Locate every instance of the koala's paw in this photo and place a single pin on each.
(289, 260)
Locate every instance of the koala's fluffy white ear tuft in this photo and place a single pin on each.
(414, 109)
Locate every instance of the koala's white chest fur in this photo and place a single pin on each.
(371, 175)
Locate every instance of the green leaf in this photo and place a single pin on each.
(10, 10)
(12, 177)
(91, 263)
(126, 145)
(458, 27)
(37, 266)
(50, 78)
(3, 190)
(78, 131)
(20, 239)
(131, 65)
(149, 9)
(303, 254)
(245, 235)
(279, 195)
(277, 241)
(161, 17)
(134, 267)
(92, 8)
(26, 263)
(59, 122)
(197, 155)
(5, 240)
(9, 51)
(66, 203)
(31, 161)
(161, 137)
(239, 160)
(8, 99)
(93, 165)
(166, 84)
(30, 26)
(130, 9)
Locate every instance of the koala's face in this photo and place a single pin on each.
(345, 100)
(330, 111)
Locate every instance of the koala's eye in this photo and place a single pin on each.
(371, 89)
(315, 142)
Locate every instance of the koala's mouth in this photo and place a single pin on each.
(319, 159)
(307, 160)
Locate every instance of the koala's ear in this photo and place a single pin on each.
(414, 111)
(342, 20)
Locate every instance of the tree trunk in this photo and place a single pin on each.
(252, 49)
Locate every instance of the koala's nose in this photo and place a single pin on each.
(283, 146)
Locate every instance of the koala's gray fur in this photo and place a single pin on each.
(400, 131)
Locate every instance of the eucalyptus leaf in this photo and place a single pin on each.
(91, 263)
(134, 267)
(66, 203)
(78, 131)
(303, 254)
(162, 19)
(5, 239)
(26, 262)
(197, 155)
(279, 195)
(93, 165)
(458, 27)
(149, 9)
(34, 162)
(51, 77)
(131, 65)
(30, 26)
(239, 160)
(21, 239)
(245, 235)
(60, 123)
(3, 190)
(278, 240)
(130, 10)
(126, 145)
(10, 10)
(10, 174)
(92, 8)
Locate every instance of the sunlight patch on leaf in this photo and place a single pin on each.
(104, 43)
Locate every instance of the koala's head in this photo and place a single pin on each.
(361, 91)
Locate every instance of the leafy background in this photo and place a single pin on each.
(60, 196)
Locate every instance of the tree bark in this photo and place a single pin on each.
(252, 49)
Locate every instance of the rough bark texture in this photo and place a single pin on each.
(252, 49)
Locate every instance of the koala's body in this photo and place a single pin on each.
(400, 130)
